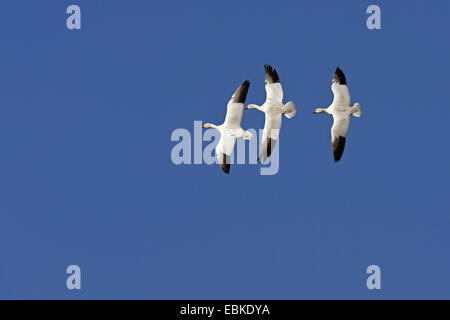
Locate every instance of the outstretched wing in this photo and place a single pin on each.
(274, 90)
(338, 133)
(270, 136)
(339, 88)
(271, 74)
(224, 149)
(338, 145)
(240, 94)
(224, 162)
(235, 106)
(267, 146)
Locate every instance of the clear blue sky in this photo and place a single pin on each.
(86, 176)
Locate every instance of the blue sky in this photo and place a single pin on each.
(86, 176)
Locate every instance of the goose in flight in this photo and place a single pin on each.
(273, 109)
(231, 129)
(340, 110)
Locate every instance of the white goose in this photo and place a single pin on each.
(231, 129)
(340, 110)
(274, 109)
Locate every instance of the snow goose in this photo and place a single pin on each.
(231, 129)
(340, 110)
(273, 109)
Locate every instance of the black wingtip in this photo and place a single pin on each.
(225, 168)
(225, 163)
(245, 85)
(339, 76)
(240, 94)
(338, 148)
(271, 74)
(269, 146)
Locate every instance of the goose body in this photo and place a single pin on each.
(231, 129)
(341, 110)
(273, 108)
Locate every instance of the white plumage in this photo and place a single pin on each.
(340, 110)
(231, 129)
(273, 108)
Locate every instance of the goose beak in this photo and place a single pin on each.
(246, 107)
